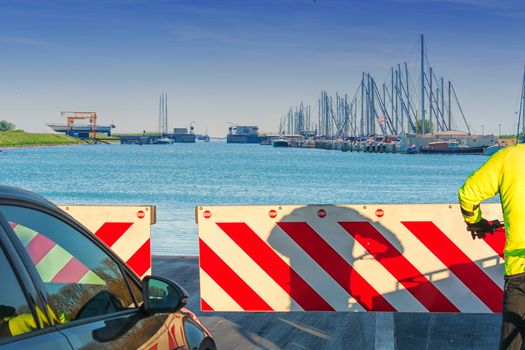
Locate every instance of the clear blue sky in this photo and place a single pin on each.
(245, 61)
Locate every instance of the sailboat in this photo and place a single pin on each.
(520, 133)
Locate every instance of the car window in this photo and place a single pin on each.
(15, 315)
(194, 334)
(81, 279)
(136, 290)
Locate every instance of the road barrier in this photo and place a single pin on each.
(404, 258)
(125, 229)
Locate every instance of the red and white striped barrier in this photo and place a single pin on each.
(125, 229)
(406, 258)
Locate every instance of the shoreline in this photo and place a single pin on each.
(21, 139)
(42, 145)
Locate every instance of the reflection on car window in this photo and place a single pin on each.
(194, 335)
(15, 315)
(136, 290)
(82, 280)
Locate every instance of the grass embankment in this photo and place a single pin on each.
(25, 139)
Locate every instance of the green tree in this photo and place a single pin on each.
(6, 126)
(429, 127)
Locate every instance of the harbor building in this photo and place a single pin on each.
(243, 134)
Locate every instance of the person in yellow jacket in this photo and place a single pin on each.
(13, 324)
(503, 174)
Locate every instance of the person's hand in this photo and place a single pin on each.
(480, 228)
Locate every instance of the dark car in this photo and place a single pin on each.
(61, 288)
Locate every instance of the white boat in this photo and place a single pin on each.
(493, 149)
(451, 146)
(104, 128)
(163, 141)
(307, 144)
(281, 142)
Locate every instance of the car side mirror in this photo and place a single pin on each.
(162, 295)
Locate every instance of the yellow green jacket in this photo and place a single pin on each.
(503, 173)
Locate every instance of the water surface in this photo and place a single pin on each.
(178, 177)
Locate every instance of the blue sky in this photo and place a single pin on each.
(246, 61)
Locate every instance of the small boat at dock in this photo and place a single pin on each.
(163, 141)
(493, 149)
(451, 147)
(281, 142)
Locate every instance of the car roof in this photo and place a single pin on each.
(14, 193)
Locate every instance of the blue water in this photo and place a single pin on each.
(178, 177)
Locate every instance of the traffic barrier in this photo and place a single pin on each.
(404, 258)
(125, 229)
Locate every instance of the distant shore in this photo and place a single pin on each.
(13, 139)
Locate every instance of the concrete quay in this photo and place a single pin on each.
(332, 330)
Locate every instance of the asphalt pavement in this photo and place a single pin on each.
(332, 330)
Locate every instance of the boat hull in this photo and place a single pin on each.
(453, 150)
(80, 128)
(281, 144)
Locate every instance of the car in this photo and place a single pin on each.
(62, 288)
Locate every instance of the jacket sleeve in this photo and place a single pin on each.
(480, 185)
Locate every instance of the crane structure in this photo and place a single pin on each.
(72, 116)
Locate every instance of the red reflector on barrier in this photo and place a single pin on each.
(272, 213)
(380, 213)
(207, 214)
(321, 213)
(141, 214)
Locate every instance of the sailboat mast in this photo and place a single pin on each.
(423, 131)
(521, 112)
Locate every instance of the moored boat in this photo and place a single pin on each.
(281, 142)
(102, 128)
(163, 141)
(451, 147)
(493, 149)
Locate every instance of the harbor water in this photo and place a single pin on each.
(177, 177)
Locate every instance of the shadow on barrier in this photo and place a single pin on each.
(322, 254)
(298, 242)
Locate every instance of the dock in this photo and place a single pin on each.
(332, 330)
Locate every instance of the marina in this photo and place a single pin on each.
(388, 117)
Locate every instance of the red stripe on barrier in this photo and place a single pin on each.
(402, 270)
(496, 241)
(268, 260)
(110, 232)
(337, 267)
(38, 247)
(140, 261)
(72, 272)
(229, 281)
(458, 262)
(205, 306)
